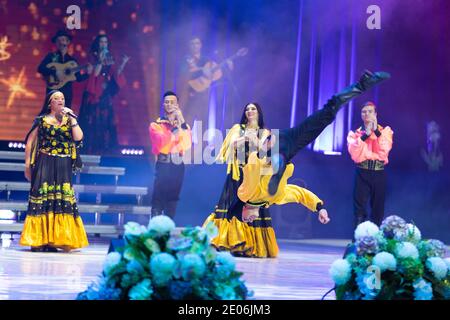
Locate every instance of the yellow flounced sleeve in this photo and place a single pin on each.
(254, 187)
(227, 152)
(296, 194)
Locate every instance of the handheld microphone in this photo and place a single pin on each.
(70, 113)
(73, 115)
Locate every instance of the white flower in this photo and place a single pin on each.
(406, 250)
(447, 261)
(414, 233)
(340, 271)
(112, 260)
(366, 229)
(134, 229)
(437, 266)
(385, 261)
(161, 225)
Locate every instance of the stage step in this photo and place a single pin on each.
(85, 208)
(10, 186)
(15, 155)
(90, 229)
(114, 171)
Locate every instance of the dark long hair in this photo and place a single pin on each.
(244, 119)
(95, 46)
(44, 111)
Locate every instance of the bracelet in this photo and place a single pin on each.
(74, 125)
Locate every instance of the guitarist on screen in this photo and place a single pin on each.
(62, 41)
(197, 67)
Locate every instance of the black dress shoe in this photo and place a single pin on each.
(50, 249)
(37, 249)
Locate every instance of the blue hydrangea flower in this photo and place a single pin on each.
(367, 284)
(431, 248)
(385, 261)
(142, 291)
(99, 290)
(393, 225)
(161, 225)
(406, 250)
(366, 245)
(129, 280)
(179, 243)
(134, 267)
(192, 266)
(447, 261)
(366, 229)
(340, 271)
(162, 263)
(225, 264)
(111, 261)
(179, 290)
(134, 229)
(422, 290)
(225, 292)
(437, 266)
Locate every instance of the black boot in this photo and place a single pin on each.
(171, 209)
(359, 218)
(367, 81)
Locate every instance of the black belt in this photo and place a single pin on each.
(167, 158)
(373, 165)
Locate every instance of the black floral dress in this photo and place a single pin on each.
(52, 215)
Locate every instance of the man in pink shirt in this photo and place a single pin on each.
(369, 148)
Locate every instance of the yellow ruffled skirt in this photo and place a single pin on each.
(244, 239)
(57, 230)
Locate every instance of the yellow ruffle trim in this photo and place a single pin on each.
(238, 237)
(56, 230)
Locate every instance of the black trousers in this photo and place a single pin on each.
(294, 139)
(370, 186)
(166, 188)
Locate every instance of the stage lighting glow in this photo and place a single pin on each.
(332, 153)
(135, 152)
(16, 145)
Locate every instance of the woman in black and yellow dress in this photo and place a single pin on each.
(255, 239)
(50, 156)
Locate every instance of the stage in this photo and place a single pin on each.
(299, 273)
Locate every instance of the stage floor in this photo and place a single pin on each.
(299, 273)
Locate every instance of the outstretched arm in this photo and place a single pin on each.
(296, 194)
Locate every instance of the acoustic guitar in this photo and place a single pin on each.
(67, 70)
(212, 72)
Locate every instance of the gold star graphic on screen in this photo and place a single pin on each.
(16, 87)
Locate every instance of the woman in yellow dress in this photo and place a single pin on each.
(51, 154)
(255, 239)
(258, 182)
